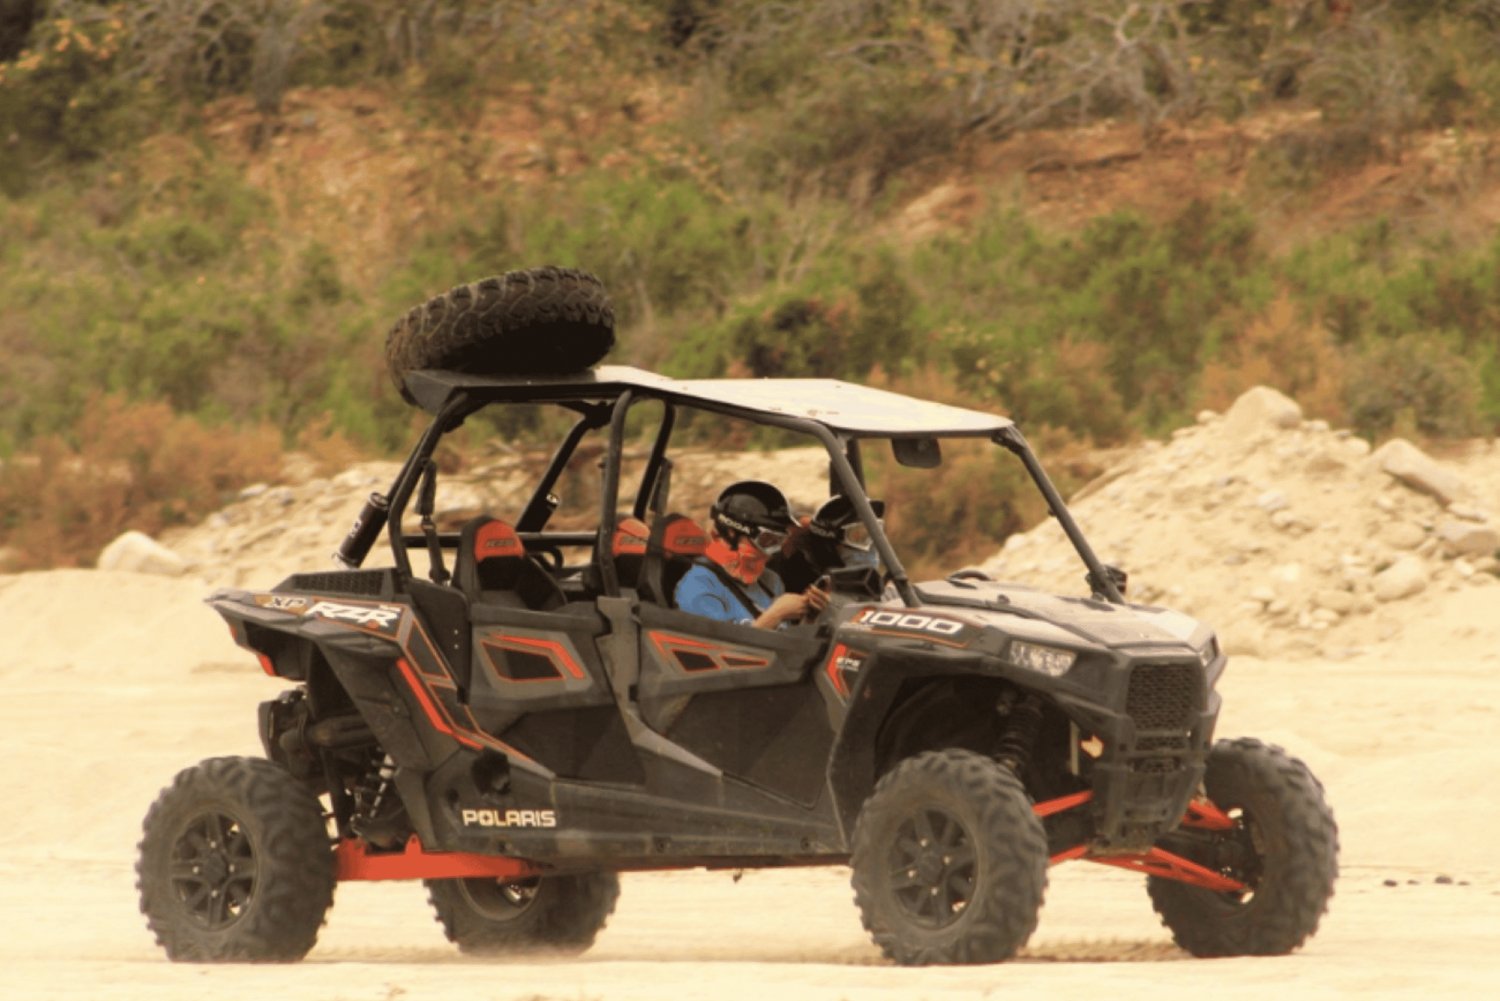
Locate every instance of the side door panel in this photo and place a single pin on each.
(743, 699)
(538, 684)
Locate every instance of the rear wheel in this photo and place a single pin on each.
(1283, 846)
(235, 864)
(490, 917)
(950, 861)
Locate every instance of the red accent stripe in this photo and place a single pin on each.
(558, 652)
(355, 861)
(428, 706)
(832, 670)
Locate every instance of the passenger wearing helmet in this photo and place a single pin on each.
(833, 538)
(751, 520)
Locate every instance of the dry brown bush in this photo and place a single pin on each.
(123, 466)
(1284, 350)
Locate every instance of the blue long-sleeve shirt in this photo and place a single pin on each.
(701, 592)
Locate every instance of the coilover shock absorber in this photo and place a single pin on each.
(370, 795)
(1022, 722)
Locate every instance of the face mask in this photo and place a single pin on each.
(751, 562)
(745, 562)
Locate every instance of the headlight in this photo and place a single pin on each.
(1209, 651)
(1048, 660)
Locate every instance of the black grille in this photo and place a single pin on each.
(368, 582)
(1165, 698)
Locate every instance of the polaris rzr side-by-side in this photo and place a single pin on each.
(515, 713)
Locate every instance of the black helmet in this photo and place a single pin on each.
(752, 509)
(836, 521)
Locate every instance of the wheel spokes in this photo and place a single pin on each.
(213, 868)
(931, 866)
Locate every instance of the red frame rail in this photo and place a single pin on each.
(356, 861)
(1201, 815)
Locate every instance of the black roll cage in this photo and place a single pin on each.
(846, 476)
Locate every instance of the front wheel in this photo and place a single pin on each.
(950, 861)
(491, 917)
(1283, 846)
(235, 864)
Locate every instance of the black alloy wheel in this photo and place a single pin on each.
(933, 864)
(213, 870)
(949, 861)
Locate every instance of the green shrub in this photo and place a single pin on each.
(1414, 384)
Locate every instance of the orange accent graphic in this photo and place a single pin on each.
(720, 659)
(434, 715)
(469, 736)
(554, 650)
(839, 651)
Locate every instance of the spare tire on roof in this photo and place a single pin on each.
(546, 320)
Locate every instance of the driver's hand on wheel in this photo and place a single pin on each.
(817, 599)
(788, 607)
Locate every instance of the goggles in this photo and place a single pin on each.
(767, 540)
(856, 536)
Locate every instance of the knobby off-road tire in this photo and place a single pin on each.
(950, 861)
(558, 914)
(236, 864)
(539, 320)
(1284, 846)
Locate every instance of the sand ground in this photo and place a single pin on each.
(116, 681)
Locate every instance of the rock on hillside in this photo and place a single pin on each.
(1291, 537)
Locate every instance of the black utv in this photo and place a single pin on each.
(529, 715)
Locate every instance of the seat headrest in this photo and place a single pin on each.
(682, 536)
(631, 536)
(495, 539)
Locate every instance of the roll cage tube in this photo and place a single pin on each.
(451, 416)
(651, 478)
(1100, 580)
(856, 463)
(604, 555)
(534, 516)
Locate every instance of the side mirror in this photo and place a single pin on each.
(1096, 588)
(919, 453)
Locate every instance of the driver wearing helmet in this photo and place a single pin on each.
(751, 519)
(833, 538)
